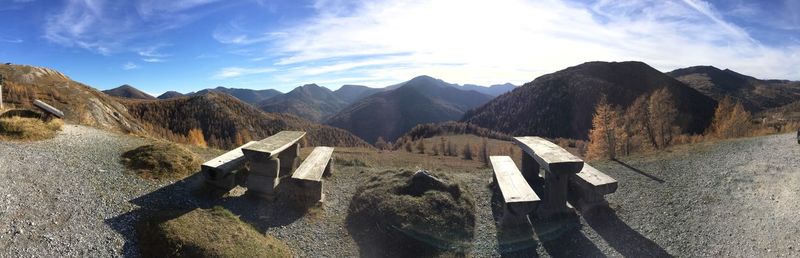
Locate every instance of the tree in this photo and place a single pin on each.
(380, 143)
(730, 120)
(408, 146)
(602, 136)
(629, 137)
(435, 150)
(442, 146)
(466, 153)
(662, 115)
(195, 137)
(484, 152)
(421, 146)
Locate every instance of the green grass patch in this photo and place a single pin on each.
(161, 161)
(214, 232)
(28, 129)
(394, 213)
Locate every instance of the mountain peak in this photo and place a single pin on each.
(128, 91)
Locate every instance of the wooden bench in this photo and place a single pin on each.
(559, 165)
(307, 178)
(49, 109)
(519, 199)
(220, 171)
(590, 186)
(270, 159)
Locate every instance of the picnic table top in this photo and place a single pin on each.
(276, 143)
(549, 155)
(232, 155)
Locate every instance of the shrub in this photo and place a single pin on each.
(28, 129)
(212, 232)
(161, 161)
(408, 214)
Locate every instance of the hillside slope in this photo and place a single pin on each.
(755, 94)
(80, 103)
(391, 113)
(309, 101)
(127, 91)
(561, 104)
(222, 117)
(353, 93)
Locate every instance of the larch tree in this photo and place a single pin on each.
(380, 143)
(195, 137)
(421, 146)
(661, 118)
(602, 136)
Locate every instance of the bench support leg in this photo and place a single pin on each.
(328, 169)
(530, 170)
(585, 197)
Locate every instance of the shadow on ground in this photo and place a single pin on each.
(639, 171)
(620, 236)
(517, 240)
(183, 196)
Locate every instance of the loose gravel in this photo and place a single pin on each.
(70, 197)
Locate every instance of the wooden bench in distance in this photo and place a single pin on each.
(518, 197)
(220, 171)
(269, 159)
(589, 186)
(308, 177)
(559, 165)
(49, 109)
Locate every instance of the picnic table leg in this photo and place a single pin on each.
(554, 202)
(530, 170)
(290, 159)
(264, 178)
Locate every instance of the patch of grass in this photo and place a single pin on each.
(28, 129)
(392, 213)
(214, 232)
(161, 161)
(353, 162)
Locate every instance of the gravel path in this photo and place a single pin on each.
(56, 194)
(734, 199)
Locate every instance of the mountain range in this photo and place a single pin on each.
(309, 101)
(390, 113)
(561, 104)
(755, 94)
(127, 91)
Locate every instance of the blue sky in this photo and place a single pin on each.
(187, 45)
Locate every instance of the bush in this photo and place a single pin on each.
(28, 129)
(411, 215)
(212, 232)
(161, 161)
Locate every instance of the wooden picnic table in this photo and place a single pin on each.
(559, 165)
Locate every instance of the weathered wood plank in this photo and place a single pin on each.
(517, 194)
(227, 162)
(273, 145)
(314, 165)
(550, 156)
(593, 178)
(48, 108)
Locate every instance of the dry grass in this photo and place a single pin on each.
(393, 212)
(28, 129)
(162, 161)
(213, 232)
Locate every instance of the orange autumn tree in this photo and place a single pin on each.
(731, 120)
(603, 135)
(195, 137)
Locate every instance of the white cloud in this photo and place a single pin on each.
(232, 72)
(485, 42)
(11, 40)
(129, 66)
(153, 60)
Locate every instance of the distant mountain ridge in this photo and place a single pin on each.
(755, 94)
(170, 94)
(391, 113)
(253, 97)
(561, 104)
(309, 101)
(493, 90)
(127, 91)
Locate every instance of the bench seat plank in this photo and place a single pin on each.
(511, 182)
(229, 161)
(550, 156)
(602, 183)
(314, 165)
(272, 145)
(50, 109)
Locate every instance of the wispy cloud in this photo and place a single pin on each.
(489, 41)
(11, 40)
(109, 26)
(233, 72)
(129, 66)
